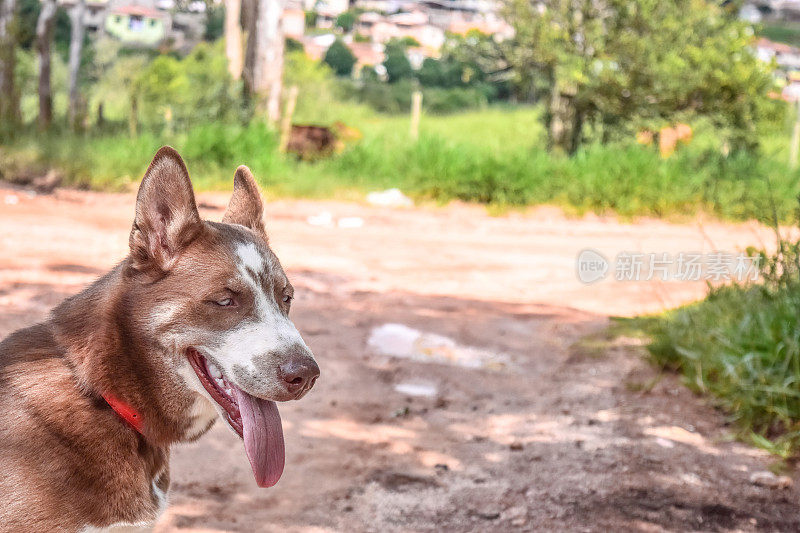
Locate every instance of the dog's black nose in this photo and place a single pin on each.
(299, 374)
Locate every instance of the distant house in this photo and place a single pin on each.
(332, 7)
(294, 22)
(487, 24)
(137, 25)
(787, 57)
(367, 54)
(414, 24)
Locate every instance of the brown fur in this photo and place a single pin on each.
(67, 459)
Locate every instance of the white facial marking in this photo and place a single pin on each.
(250, 257)
(204, 409)
(270, 332)
(162, 314)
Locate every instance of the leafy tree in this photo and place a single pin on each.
(449, 72)
(215, 22)
(396, 63)
(430, 74)
(340, 58)
(621, 65)
(311, 19)
(346, 20)
(293, 45)
(407, 42)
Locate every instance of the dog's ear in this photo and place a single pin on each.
(245, 207)
(166, 215)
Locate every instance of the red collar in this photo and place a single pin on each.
(125, 411)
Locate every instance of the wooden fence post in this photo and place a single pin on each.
(416, 109)
(286, 121)
(795, 146)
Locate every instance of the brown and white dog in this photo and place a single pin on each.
(191, 325)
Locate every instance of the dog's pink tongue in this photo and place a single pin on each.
(263, 437)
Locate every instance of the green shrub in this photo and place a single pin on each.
(742, 346)
(340, 58)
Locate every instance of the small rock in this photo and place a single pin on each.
(770, 480)
(441, 467)
(488, 514)
(399, 413)
(515, 446)
(517, 516)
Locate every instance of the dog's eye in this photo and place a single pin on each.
(225, 302)
(287, 298)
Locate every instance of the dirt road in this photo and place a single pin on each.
(569, 432)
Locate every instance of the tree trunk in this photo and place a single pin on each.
(263, 72)
(44, 38)
(101, 117)
(564, 129)
(233, 37)
(75, 49)
(9, 101)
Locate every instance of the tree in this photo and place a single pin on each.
(9, 100)
(396, 63)
(75, 50)
(44, 39)
(340, 58)
(346, 20)
(215, 22)
(621, 65)
(263, 70)
(233, 37)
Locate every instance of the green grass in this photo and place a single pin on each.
(786, 32)
(494, 156)
(741, 345)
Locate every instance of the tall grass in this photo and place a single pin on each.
(742, 346)
(495, 156)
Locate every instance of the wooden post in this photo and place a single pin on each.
(168, 120)
(416, 109)
(133, 117)
(286, 121)
(795, 146)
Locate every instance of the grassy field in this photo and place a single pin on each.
(494, 156)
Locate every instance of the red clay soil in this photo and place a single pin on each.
(569, 436)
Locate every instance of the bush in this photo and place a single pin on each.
(346, 20)
(340, 58)
(742, 346)
(396, 63)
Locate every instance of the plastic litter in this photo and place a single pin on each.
(389, 198)
(398, 340)
(427, 390)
